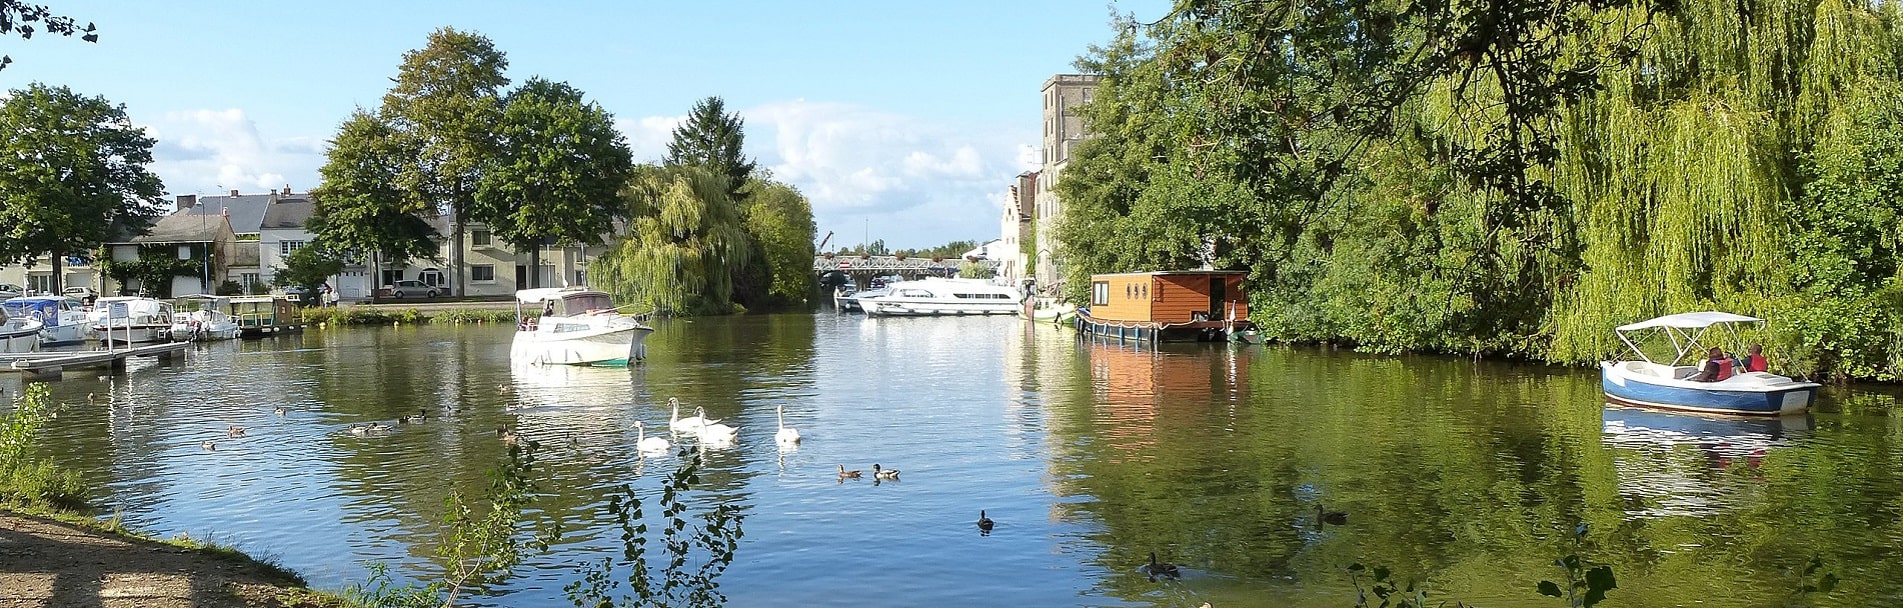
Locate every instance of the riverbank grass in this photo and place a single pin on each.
(368, 316)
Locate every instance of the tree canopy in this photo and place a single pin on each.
(559, 168)
(72, 173)
(683, 245)
(18, 17)
(713, 138)
(780, 220)
(361, 206)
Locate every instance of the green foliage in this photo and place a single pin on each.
(72, 171)
(684, 245)
(559, 167)
(1387, 591)
(1586, 584)
(308, 267)
(677, 583)
(229, 288)
(19, 17)
(154, 268)
(974, 270)
(780, 221)
(361, 205)
(24, 480)
(712, 138)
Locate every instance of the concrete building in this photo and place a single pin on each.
(1015, 228)
(1063, 130)
(205, 240)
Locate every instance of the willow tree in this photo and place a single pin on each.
(683, 244)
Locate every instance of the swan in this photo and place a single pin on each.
(690, 424)
(646, 444)
(719, 435)
(886, 474)
(1165, 569)
(845, 474)
(786, 436)
(984, 523)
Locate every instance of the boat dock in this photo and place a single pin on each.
(49, 366)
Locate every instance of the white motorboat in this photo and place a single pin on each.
(19, 334)
(127, 319)
(571, 326)
(935, 296)
(202, 318)
(62, 320)
(1668, 385)
(849, 300)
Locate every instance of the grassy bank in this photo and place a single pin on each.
(368, 315)
(41, 501)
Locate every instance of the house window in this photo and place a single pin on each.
(1100, 293)
(479, 237)
(392, 275)
(581, 277)
(482, 272)
(431, 277)
(42, 283)
(248, 279)
(184, 252)
(286, 247)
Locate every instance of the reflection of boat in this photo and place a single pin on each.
(1733, 435)
(202, 318)
(131, 319)
(1668, 462)
(1669, 385)
(19, 334)
(575, 327)
(62, 320)
(935, 296)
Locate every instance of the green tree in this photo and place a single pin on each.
(73, 174)
(711, 137)
(18, 18)
(780, 220)
(448, 100)
(684, 243)
(560, 166)
(308, 267)
(360, 206)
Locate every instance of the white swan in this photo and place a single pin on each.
(646, 444)
(691, 424)
(719, 435)
(786, 435)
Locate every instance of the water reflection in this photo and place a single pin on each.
(1673, 464)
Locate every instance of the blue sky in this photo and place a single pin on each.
(910, 115)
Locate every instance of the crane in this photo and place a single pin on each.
(822, 242)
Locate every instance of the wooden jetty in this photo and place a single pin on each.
(49, 365)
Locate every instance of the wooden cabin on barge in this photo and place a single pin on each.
(259, 316)
(1166, 306)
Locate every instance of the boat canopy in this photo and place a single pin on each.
(532, 296)
(1690, 320)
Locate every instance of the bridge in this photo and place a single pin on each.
(862, 269)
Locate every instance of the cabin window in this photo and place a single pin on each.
(1100, 293)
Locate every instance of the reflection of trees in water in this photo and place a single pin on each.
(1469, 473)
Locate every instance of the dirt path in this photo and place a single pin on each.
(47, 564)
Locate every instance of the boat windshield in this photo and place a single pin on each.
(581, 303)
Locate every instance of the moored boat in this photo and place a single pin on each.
(1668, 385)
(935, 296)
(202, 318)
(19, 334)
(127, 319)
(572, 326)
(63, 320)
(258, 316)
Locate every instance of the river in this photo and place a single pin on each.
(1089, 456)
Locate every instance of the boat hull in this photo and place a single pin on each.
(1746, 395)
(140, 334)
(20, 337)
(614, 346)
(889, 306)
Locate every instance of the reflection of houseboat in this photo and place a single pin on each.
(935, 296)
(264, 315)
(1162, 306)
(203, 318)
(126, 319)
(63, 320)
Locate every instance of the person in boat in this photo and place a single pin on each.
(1717, 366)
(1755, 359)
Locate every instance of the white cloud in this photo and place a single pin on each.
(211, 151)
(648, 137)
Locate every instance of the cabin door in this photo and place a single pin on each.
(1217, 285)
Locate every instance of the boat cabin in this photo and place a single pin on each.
(259, 315)
(533, 304)
(1187, 304)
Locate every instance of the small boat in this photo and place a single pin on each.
(1645, 383)
(845, 298)
(935, 296)
(1048, 309)
(19, 334)
(63, 320)
(127, 319)
(575, 327)
(258, 316)
(848, 299)
(202, 318)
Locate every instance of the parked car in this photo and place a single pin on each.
(9, 290)
(411, 289)
(83, 294)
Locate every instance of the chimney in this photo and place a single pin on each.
(187, 201)
(234, 194)
(287, 189)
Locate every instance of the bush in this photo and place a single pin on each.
(26, 481)
(229, 288)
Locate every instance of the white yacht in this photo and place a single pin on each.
(202, 318)
(571, 326)
(847, 300)
(63, 320)
(19, 334)
(934, 296)
(137, 320)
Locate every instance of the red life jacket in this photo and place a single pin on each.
(1755, 363)
(1724, 369)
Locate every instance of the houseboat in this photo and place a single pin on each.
(573, 326)
(1165, 306)
(936, 296)
(131, 320)
(203, 318)
(260, 316)
(63, 320)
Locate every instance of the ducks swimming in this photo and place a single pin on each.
(507, 436)
(209, 445)
(234, 431)
(984, 523)
(885, 474)
(1332, 518)
(845, 474)
(373, 428)
(1162, 569)
(419, 417)
(279, 411)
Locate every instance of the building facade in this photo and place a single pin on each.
(1015, 228)
(1063, 130)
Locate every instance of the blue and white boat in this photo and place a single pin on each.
(1646, 383)
(63, 320)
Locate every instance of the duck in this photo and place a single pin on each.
(786, 435)
(886, 474)
(418, 418)
(209, 445)
(1332, 518)
(845, 474)
(279, 411)
(1165, 569)
(984, 523)
(646, 444)
(360, 429)
(234, 431)
(507, 436)
(690, 424)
